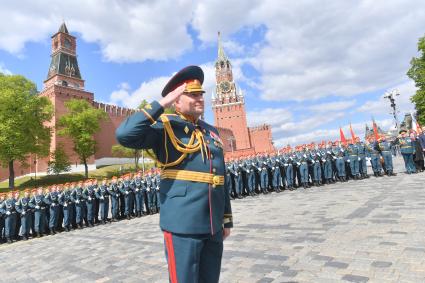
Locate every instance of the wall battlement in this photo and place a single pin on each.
(114, 110)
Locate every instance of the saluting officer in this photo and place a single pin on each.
(195, 207)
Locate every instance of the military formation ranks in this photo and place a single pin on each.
(315, 165)
(44, 211)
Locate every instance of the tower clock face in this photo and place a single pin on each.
(225, 86)
(67, 43)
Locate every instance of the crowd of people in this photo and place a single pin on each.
(64, 207)
(325, 163)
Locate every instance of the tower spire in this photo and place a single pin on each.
(63, 28)
(221, 55)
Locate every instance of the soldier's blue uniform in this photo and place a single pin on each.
(251, 168)
(327, 159)
(407, 148)
(289, 171)
(150, 190)
(228, 181)
(362, 150)
(38, 203)
(195, 205)
(239, 178)
(65, 200)
(353, 159)
(115, 197)
(102, 195)
(8, 209)
(127, 191)
(79, 198)
(1, 218)
(317, 170)
(24, 211)
(139, 197)
(303, 168)
(276, 175)
(52, 200)
(385, 149)
(339, 153)
(264, 174)
(375, 158)
(90, 204)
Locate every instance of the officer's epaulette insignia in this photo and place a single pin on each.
(186, 129)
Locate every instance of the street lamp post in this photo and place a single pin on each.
(391, 97)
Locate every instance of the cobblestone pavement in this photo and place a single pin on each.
(361, 231)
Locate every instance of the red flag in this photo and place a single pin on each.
(353, 135)
(375, 130)
(341, 133)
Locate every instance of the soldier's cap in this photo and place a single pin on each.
(193, 76)
(402, 131)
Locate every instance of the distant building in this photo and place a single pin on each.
(228, 106)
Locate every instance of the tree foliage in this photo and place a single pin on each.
(23, 117)
(417, 74)
(59, 161)
(80, 124)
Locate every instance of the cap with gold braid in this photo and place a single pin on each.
(193, 76)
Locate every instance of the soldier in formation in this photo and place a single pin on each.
(46, 211)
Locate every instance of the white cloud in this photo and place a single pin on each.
(127, 31)
(4, 70)
(279, 116)
(340, 48)
(332, 106)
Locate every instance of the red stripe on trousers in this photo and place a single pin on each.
(171, 258)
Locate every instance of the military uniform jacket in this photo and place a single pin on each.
(8, 206)
(65, 198)
(113, 190)
(102, 193)
(407, 145)
(38, 202)
(181, 145)
(22, 205)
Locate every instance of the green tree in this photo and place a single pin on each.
(80, 124)
(59, 161)
(22, 122)
(417, 74)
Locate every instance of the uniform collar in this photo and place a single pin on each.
(187, 117)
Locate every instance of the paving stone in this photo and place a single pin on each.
(381, 264)
(337, 264)
(355, 278)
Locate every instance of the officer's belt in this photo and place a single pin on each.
(193, 176)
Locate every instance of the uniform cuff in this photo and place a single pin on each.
(228, 221)
(152, 111)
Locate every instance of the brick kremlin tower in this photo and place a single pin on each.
(228, 105)
(64, 82)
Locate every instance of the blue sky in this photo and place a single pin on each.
(305, 69)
